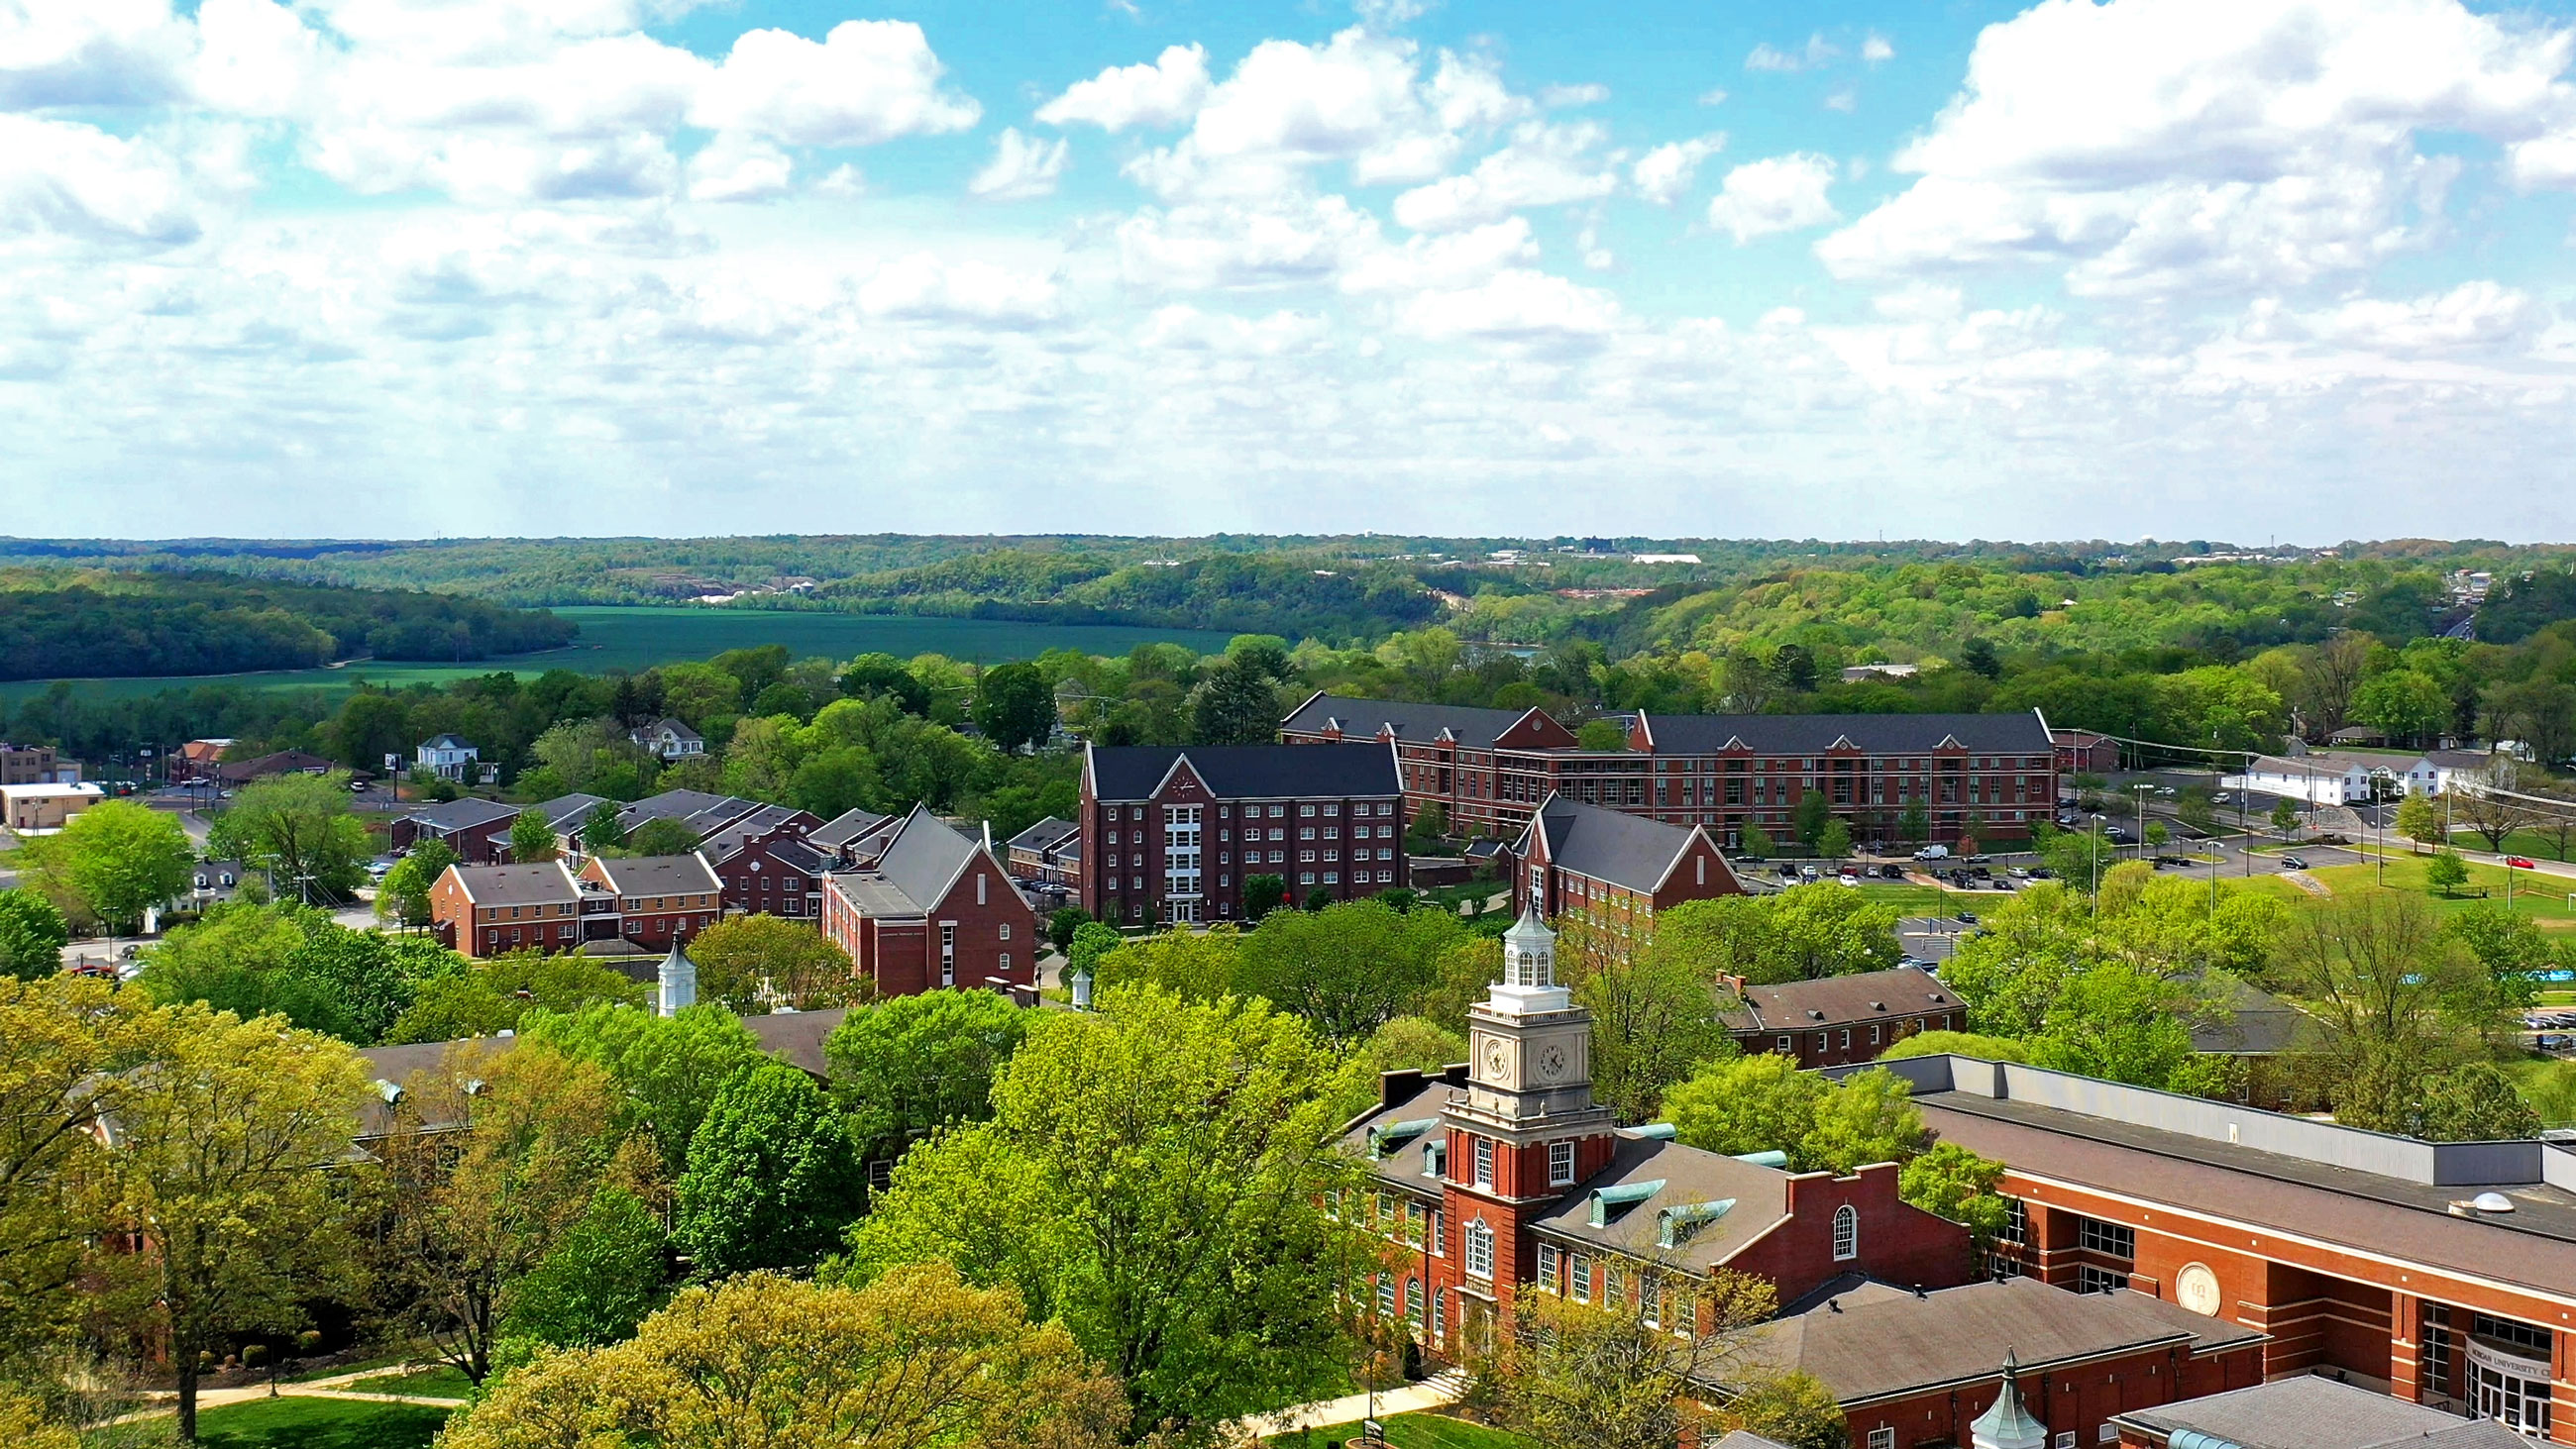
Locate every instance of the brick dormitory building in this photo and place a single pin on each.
(1982, 776)
(1171, 834)
(645, 902)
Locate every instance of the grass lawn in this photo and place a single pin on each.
(2550, 1088)
(442, 1382)
(318, 1424)
(1413, 1431)
(2542, 898)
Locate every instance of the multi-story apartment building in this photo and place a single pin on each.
(1171, 834)
(1986, 777)
(649, 902)
(655, 899)
(1834, 1020)
(776, 873)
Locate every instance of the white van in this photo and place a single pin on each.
(1933, 852)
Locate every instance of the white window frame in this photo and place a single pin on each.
(1560, 1176)
(1846, 1233)
(1478, 1243)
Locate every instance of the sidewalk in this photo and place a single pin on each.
(1435, 1392)
(166, 1401)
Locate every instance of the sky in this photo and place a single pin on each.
(2229, 269)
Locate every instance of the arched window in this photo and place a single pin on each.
(1413, 1300)
(1479, 1250)
(1846, 1233)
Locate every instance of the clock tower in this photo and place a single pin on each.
(1526, 1130)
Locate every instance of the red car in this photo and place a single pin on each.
(2521, 862)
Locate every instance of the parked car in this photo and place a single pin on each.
(2018, 872)
(1847, 878)
(1892, 872)
(1933, 852)
(1979, 859)
(1967, 918)
(1807, 872)
(2041, 872)
(2294, 862)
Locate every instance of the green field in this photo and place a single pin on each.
(638, 638)
(1411, 1431)
(315, 1423)
(445, 1381)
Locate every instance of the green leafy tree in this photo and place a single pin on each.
(1091, 941)
(1427, 833)
(1914, 822)
(298, 828)
(1199, 965)
(1796, 1410)
(1263, 894)
(2119, 1023)
(1949, 1181)
(772, 1178)
(1014, 706)
(1958, 1043)
(493, 996)
(1348, 968)
(752, 963)
(2419, 822)
(2157, 835)
(1613, 1375)
(904, 1068)
(2285, 816)
(1979, 658)
(1408, 1043)
(1835, 842)
(1066, 921)
(670, 1068)
(33, 934)
(1756, 842)
(1867, 1117)
(600, 829)
(532, 837)
(2196, 809)
(1153, 1177)
(883, 675)
(601, 1278)
(1755, 1103)
(1603, 735)
(2446, 872)
(1318, 898)
(2473, 1102)
(1236, 704)
(1653, 1019)
(1799, 934)
(2077, 857)
(662, 836)
(1809, 818)
(121, 859)
(402, 897)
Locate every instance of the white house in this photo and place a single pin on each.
(2318, 779)
(2436, 771)
(669, 739)
(448, 757)
(46, 808)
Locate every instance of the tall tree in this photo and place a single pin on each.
(600, 829)
(598, 1281)
(121, 859)
(1654, 1017)
(1348, 969)
(33, 934)
(669, 1067)
(1014, 707)
(298, 828)
(773, 1176)
(532, 837)
(496, 1155)
(1614, 1375)
(2489, 802)
(62, 1040)
(225, 1133)
(1153, 1176)
(916, 1358)
(1236, 704)
(403, 895)
(904, 1068)
(662, 835)
(2419, 821)
(751, 963)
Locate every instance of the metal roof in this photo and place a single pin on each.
(2311, 1412)
(1608, 845)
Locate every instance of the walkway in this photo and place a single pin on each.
(166, 1401)
(1441, 1389)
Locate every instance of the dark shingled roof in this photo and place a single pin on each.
(1045, 835)
(568, 813)
(925, 857)
(1608, 845)
(1887, 1342)
(544, 882)
(1813, 734)
(1248, 772)
(1842, 1000)
(2309, 1412)
(847, 826)
(1361, 719)
(461, 814)
(659, 875)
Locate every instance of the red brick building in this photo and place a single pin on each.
(650, 900)
(2444, 1274)
(2085, 752)
(1989, 776)
(1170, 834)
(1913, 1368)
(1502, 1176)
(477, 830)
(484, 910)
(775, 872)
(1613, 871)
(937, 910)
(1839, 1019)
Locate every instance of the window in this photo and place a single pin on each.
(1439, 1233)
(2505, 1330)
(1846, 1234)
(1882, 1438)
(1479, 1250)
(2107, 1434)
(1560, 1164)
(2000, 1266)
(1003, 963)
(947, 953)
(1484, 1162)
(1784, 1046)
(2109, 1239)
(1413, 1301)
(1439, 1315)
(1385, 1296)
(1547, 1267)
(2065, 1439)
(2016, 1221)
(1581, 1274)
(2089, 1279)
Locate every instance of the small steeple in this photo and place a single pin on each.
(2008, 1423)
(678, 979)
(1529, 969)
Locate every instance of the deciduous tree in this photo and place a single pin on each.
(598, 1281)
(906, 1067)
(662, 836)
(1613, 1374)
(33, 934)
(532, 837)
(403, 895)
(299, 829)
(773, 1176)
(669, 1067)
(121, 859)
(751, 963)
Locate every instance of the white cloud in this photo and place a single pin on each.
(1022, 167)
(1845, 100)
(1817, 52)
(1234, 245)
(1663, 175)
(2191, 145)
(1439, 263)
(1876, 49)
(1183, 328)
(1554, 97)
(923, 286)
(254, 58)
(1713, 97)
(1515, 306)
(2479, 315)
(1543, 166)
(739, 168)
(62, 53)
(1778, 193)
(868, 81)
(1165, 93)
(67, 180)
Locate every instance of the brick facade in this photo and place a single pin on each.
(1172, 835)
(937, 911)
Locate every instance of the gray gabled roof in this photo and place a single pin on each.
(2310, 1412)
(659, 875)
(539, 883)
(1047, 834)
(1842, 1000)
(2021, 733)
(1608, 845)
(568, 813)
(463, 814)
(847, 826)
(1247, 772)
(1361, 719)
(925, 858)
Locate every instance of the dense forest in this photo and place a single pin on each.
(96, 622)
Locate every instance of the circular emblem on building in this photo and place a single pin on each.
(1498, 1058)
(1551, 1061)
(2196, 1288)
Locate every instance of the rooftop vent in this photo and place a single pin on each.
(1675, 1225)
(1814, 1015)
(388, 1091)
(1386, 1139)
(1878, 1006)
(1627, 1195)
(1654, 1131)
(2492, 1202)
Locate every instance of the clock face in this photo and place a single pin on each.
(1498, 1058)
(1551, 1061)
(2196, 1288)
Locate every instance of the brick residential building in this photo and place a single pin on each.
(1048, 853)
(2085, 752)
(1502, 1176)
(654, 899)
(1836, 1020)
(2444, 1274)
(1990, 776)
(477, 830)
(1170, 833)
(1914, 1368)
(776, 873)
(936, 910)
(484, 910)
(32, 765)
(1612, 870)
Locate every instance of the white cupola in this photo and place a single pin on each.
(1529, 969)
(678, 982)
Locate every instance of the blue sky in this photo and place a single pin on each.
(2205, 268)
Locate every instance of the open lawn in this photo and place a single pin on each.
(638, 638)
(442, 1382)
(313, 1423)
(1411, 1431)
(1920, 900)
(2542, 898)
